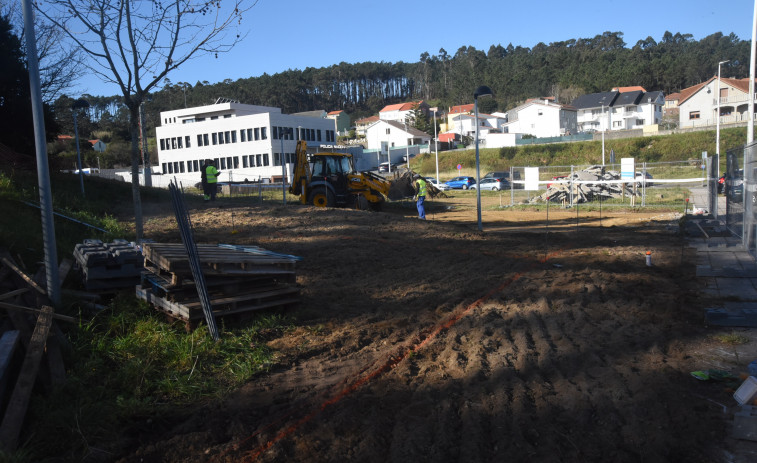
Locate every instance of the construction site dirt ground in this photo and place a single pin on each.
(541, 339)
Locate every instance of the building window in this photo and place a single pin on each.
(179, 143)
(162, 145)
(227, 116)
(319, 134)
(215, 138)
(164, 169)
(242, 135)
(199, 119)
(541, 112)
(265, 159)
(223, 163)
(249, 134)
(275, 132)
(196, 165)
(187, 141)
(694, 115)
(181, 167)
(387, 132)
(245, 162)
(263, 134)
(173, 143)
(236, 162)
(227, 137)
(205, 139)
(229, 162)
(221, 139)
(258, 161)
(213, 118)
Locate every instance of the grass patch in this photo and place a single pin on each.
(732, 338)
(129, 367)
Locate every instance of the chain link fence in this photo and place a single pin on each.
(661, 184)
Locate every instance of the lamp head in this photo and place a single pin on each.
(80, 103)
(482, 91)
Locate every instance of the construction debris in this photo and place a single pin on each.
(239, 280)
(561, 191)
(108, 266)
(30, 344)
(402, 186)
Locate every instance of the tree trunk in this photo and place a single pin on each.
(134, 132)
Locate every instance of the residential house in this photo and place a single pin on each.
(452, 113)
(246, 141)
(401, 111)
(698, 104)
(542, 118)
(464, 125)
(362, 124)
(385, 135)
(616, 110)
(342, 121)
(671, 105)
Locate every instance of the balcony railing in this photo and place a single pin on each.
(735, 99)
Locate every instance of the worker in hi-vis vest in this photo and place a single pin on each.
(420, 195)
(210, 180)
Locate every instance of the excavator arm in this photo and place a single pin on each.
(301, 176)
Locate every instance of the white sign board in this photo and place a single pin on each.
(532, 178)
(627, 168)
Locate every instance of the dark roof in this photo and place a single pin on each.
(650, 96)
(595, 100)
(628, 98)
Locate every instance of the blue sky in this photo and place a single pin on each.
(296, 34)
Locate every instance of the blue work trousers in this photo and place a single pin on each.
(421, 209)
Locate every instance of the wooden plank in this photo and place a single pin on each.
(14, 293)
(65, 318)
(10, 429)
(54, 358)
(63, 269)
(23, 275)
(171, 256)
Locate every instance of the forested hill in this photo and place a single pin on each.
(562, 69)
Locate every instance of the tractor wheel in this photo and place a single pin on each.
(361, 203)
(322, 198)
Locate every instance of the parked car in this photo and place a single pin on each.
(384, 167)
(438, 185)
(644, 177)
(505, 175)
(460, 182)
(492, 184)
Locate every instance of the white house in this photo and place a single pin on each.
(464, 125)
(618, 110)
(542, 118)
(399, 112)
(697, 105)
(385, 135)
(246, 141)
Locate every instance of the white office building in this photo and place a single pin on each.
(245, 141)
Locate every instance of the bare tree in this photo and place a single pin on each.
(135, 44)
(60, 63)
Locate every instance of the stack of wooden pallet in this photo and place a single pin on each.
(238, 279)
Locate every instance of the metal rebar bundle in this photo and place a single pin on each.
(187, 237)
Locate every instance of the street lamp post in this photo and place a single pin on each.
(436, 145)
(717, 123)
(407, 146)
(79, 104)
(283, 167)
(480, 91)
